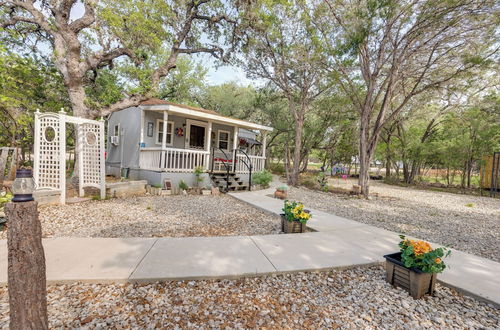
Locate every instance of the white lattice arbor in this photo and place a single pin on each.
(49, 166)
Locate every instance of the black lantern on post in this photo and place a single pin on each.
(23, 186)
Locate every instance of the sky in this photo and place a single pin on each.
(219, 75)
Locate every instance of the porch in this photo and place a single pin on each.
(185, 160)
(178, 139)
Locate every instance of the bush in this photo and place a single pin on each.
(308, 181)
(183, 185)
(277, 168)
(263, 178)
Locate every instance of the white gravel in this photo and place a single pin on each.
(466, 223)
(348, 299)
(156, 216)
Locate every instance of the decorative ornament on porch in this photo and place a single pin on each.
(415, 267)
(179, 131)
(294, 218)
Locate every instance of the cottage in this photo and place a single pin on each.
(161, 142)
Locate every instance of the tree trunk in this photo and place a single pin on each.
(305, 162)
(299, 125)
(26, 267)
(364, 158)
(286, 162)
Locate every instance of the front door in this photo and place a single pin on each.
(196, 135)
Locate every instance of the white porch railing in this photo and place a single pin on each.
(173, 160)
(258, 163)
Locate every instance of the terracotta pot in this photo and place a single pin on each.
(280, 194)
(413, 280)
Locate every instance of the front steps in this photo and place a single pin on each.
(235, 182)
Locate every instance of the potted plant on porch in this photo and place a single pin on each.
(415, 267)
(294, 218)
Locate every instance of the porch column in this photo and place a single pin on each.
(209, 146)
(163, 160)
(235, 146)
(142, 129)
(264, 143)
(164, 136)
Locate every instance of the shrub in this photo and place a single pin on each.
(419, 254)
(183, 185)
(198, 171)
(4, 199)
(307, 181)
(277, 168)
(282, 187)
(263, 178)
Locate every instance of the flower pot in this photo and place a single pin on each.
(292, 227)
(281, 194)
(413, 280)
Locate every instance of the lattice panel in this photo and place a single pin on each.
(48, 137)
(90, 137)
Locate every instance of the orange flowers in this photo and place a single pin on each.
(437, 260)
(419, 247)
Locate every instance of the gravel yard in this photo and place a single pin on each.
(466, 223)
(156, 216)
(354, 298)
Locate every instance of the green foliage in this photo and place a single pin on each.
(263, 178)
(183, 185)
(277, 168)
(283, 188)
(198, 171)
(26, 83)
(186, 83)
(230, 99)
(323, 181)
(4, 199)
(420, 255)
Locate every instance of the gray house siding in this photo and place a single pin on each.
(126, 153)
(179, 122)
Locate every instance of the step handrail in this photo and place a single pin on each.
(247, 165)
(225, 165)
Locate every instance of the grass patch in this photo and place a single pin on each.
(469, 204)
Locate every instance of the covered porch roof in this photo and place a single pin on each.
(199, 113)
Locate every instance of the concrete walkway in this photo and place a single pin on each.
(338, 242)
(476, 276)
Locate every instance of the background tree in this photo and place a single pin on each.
(281, 47)
(384, 53)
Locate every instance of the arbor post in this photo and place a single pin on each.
(26, 267)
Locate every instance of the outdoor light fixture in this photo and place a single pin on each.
(23, 186)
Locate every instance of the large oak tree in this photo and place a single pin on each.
(149, 36)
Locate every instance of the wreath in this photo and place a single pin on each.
(179, 131)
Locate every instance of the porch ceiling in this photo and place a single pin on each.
(205, 115)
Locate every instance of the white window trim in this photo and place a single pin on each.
(157, 132)
(228, 138)
(190, 122)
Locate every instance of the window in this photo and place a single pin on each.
(223, 140)
(116, 131)
(159, 132)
